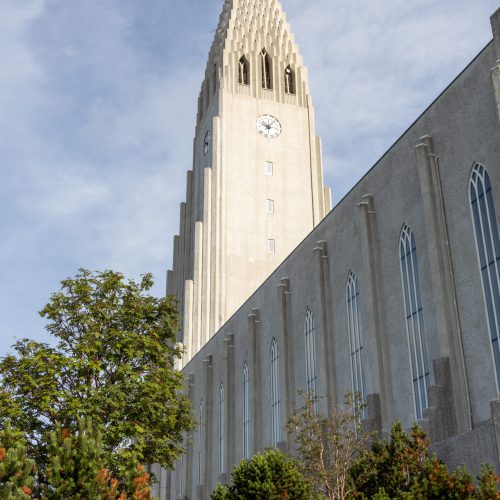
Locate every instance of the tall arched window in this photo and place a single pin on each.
(244, 71)
(200, 106)
(488, 252)
(180, 472)
(266, 70)
(310, 339)
(415, 327)
(200, 443)
(246, 413)
(355, 336)
(289, 81)
(275, 393)
(206, 93)
(221, 427)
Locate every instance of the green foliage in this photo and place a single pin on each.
(16, 469)
(403, 468)
(334, 457)
(76, 469)
(73, 464)
(329, 445)
(270, 476)
(113, 362)
(488, 484)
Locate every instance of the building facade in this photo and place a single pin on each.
(395, 293)
(256, 187)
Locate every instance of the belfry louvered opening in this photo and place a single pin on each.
(243, 71)
(266, 70)
(290, 81)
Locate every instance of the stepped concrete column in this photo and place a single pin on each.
(256, 378)
(324, 291)
(447, 341)
(379, 399)
(284, 297)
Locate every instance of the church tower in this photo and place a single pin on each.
(256, 187)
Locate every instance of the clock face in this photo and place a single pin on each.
(269, 126)
(206, 143)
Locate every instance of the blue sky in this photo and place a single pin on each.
(98, 102)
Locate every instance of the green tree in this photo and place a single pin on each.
(403, 468)
(270, 476)
(329, 445)
(487, 488)
(76, 469)
(16, 469)
(113, 362)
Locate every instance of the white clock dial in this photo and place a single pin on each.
(206, 143)
(269, 126)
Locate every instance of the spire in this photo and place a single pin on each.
(245, 29)
(249, 25)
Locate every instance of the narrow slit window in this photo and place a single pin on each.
(200, 443)
(221, 428)
(246, 413)
(266, 70)
(290, 81)
(200, 106)
(243, 71)
(270, 206)
(206, 94)
(181, 472)
(269, 168)
(488, 252)
(275, 394)
(415, 327)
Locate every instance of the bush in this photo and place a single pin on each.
(271, 475)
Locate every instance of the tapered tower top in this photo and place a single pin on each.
(246, 25)
(248, 31)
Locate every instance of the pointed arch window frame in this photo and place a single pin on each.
(243, 71)
(415, 324)
(355, 336)
(266, 69)
(310, 353)
(486, 235)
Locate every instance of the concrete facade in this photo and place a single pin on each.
(421, 186)
(234, 207)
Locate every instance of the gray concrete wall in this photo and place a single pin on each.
(473, 448)
(422, 181)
